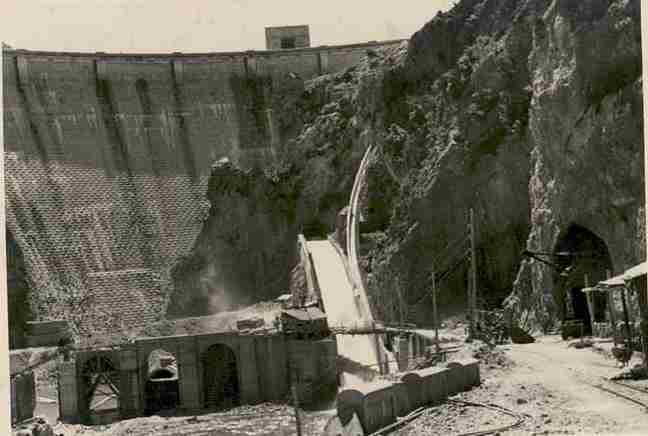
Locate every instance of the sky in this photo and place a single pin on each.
(202, 25)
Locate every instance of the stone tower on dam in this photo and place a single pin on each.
(108, 157)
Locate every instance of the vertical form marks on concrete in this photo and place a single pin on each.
(177, 70)
(118, 148)
(323, 62)
(23, 81)
(250, 101)
(144, 97)
(41, 88)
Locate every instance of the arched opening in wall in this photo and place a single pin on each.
(162, 391)
(220, 378)
(100, 385)
(582, 259)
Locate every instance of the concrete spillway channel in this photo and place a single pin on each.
(341, 308)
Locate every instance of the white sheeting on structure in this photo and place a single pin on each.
(632, 273)
(636, 271)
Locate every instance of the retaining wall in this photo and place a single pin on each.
(379, 404)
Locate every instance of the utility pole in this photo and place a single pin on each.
(296, 403)
(590, 304)
(627, 317)
(434, 310)
(472, 294)
(610, 304)
(400, 306)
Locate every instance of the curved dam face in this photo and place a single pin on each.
(108, 156)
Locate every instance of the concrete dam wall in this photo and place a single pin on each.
(108, 156)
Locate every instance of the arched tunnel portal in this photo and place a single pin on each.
(582, 259)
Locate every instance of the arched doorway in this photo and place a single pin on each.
(583, 260)
(100, 378)
(220, 377)
(162, 389)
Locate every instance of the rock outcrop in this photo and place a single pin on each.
(529, 112)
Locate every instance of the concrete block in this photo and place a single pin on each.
(413, 384)
(403, 404)
(470, 372)
(455, 377)
(437, 386)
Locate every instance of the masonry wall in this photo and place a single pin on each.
(313, 370)
(262, 364)
(108, 156)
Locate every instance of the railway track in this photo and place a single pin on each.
(407, 420)
(519, 418)
(633, 394)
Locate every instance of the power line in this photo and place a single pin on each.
(451, 249)
(445, 274)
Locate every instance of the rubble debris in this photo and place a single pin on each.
(250, 323)
(584, 343)
(37, 426)
(519, 336)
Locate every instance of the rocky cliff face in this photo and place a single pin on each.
(531, 114)
(528, 112)
(247, 247)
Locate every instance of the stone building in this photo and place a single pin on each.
(191, 374)
(287, 37)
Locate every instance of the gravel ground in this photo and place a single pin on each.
(549, 382)
(260, 420)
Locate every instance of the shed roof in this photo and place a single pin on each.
(629, 274)
(636, 271)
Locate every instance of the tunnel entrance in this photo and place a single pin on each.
(582, 259)
(580, 309)
(162, 389)
(220, 377)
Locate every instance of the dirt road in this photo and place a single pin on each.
(551, 383)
